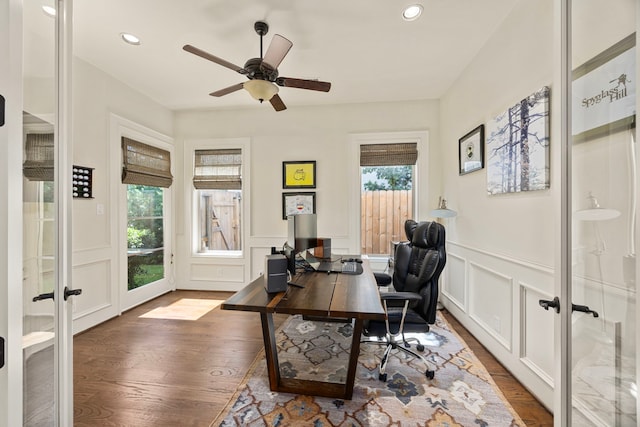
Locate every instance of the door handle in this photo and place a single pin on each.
(48, 295)
(67, 293)
(554, 303)
(584, 309)
(70, 292)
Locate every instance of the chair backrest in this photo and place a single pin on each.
(418, 265)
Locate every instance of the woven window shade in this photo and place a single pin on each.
(218, 169)
(388, 154)
(39, 157)
(145, 165)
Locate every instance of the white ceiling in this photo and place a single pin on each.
(363, 47)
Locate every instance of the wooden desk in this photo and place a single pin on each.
(325, 295)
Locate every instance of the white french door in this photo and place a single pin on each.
(36, 379)
(145, 223)
(10, 213)
(596, 377)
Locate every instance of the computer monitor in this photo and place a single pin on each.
(302, 235)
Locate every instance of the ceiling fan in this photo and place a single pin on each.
(263, 72)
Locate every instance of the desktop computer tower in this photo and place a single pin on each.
(275, 273)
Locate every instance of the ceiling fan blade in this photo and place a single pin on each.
(277, 103)
(213, 58)
(227, 90)
(276, 52)
(303, 84)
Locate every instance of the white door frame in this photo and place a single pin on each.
(120, 127)
(11, 212)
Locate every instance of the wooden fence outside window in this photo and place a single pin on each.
(383, 214)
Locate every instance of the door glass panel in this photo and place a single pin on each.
(145, 235)
(39, 223)
(604, 386)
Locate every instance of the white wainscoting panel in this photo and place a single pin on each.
(496, 298)
(95, 281)
(536, 333)
(490, 296)
(454, 281)
(218, 272)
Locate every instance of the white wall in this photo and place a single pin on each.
(299, 133)
(503, 249)
(95, 235)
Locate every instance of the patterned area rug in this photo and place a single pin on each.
(461, 394)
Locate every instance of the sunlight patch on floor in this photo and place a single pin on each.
(183, 309)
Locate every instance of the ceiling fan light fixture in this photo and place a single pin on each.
(412, 12)
(261, 90)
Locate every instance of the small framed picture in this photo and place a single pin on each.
(471, 151)
(301, 174)
(298, 203)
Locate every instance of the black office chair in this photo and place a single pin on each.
(412, 307)
(384, 279)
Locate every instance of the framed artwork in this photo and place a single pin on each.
(301, 174)
(471, 151)
(518, 146)
(298, 203)
(604, 92)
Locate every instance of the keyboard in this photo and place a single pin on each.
(346, 267)
(349, 267)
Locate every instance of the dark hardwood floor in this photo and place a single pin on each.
(136, 371)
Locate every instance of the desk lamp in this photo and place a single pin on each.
(442, 211)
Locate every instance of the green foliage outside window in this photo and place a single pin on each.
(145, 235)
(389, 178)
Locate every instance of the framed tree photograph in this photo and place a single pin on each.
(471, 151)
(299, 174)
(518, 151)
(298, 203)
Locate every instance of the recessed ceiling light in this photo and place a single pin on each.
(411, 13)
(130, 38)
(49, 11)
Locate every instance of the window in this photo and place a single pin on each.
(217, 180)
(147, 171)
(386, 175)
(145, 235)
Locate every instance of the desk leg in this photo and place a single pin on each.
(353, 358)
(271, 351)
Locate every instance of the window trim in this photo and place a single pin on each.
(126, 299)
(191, 208)
(421, 169)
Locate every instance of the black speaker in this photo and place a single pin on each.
(275, 273)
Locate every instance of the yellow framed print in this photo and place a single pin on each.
(299, 174)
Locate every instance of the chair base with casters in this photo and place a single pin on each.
(397, 340)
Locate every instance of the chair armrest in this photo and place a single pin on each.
(400, 296)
